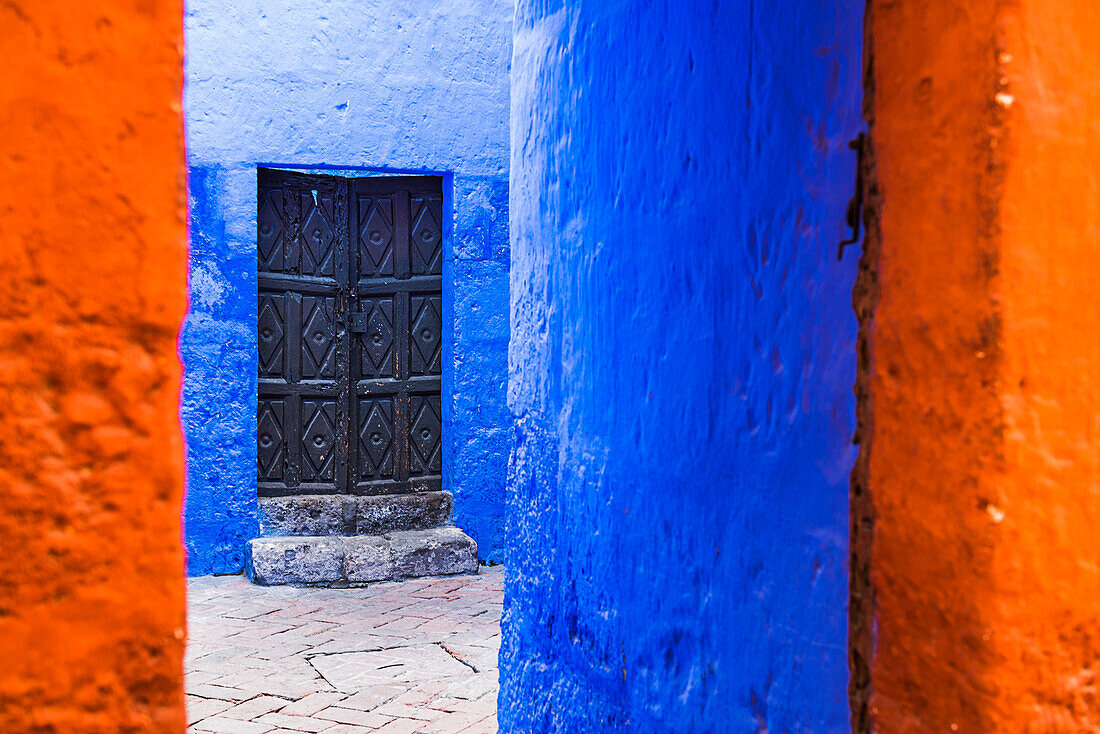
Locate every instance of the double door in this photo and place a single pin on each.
(350, 334)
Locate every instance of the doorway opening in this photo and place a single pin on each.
(349, 419)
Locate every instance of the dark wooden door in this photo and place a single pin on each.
(350, 334)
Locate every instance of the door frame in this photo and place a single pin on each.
(448, 316)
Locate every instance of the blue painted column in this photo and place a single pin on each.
(681, 366)
(218, 346)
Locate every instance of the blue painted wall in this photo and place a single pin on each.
(364, 86)
(681, 365)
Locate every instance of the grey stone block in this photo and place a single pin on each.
(310, 514)
(360, 559)
(367, 558)
(296, 560)
(395, 512)
(334, 514)
(436, 552)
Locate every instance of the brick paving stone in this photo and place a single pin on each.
(398, 711)
(312, 703)
(372, 697)
(201, 708)
(400, 726)
(488, 726)
(460, 723)
(394, 658)
(217, 725)
(295, 723)
(223, 693)
(255, 707)
(351, 716)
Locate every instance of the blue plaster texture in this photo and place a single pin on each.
(354, 87)
(218, 347)
(681, 366)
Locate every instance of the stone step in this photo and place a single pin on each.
(349, 560)
(340, 514)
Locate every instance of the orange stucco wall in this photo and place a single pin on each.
(93, 258)
(985, 363)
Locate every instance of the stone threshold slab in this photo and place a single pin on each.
(337, 514)
(332, 560)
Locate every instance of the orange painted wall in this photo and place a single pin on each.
(93, 258)
(985, 366)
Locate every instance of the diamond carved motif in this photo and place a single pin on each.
(270, 234)
(426, 240)
(426, 332)
(377, 236)
(270, 333)
(378, 339)
(376, 437)
(318, 236)
(425, 433)
(317, 337)
(269, 440)
(318, 438)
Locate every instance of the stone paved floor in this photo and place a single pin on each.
(397, 658)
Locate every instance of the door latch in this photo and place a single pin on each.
(358, 323)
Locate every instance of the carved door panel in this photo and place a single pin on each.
(397, 334)
(302, 250)
(349, 330)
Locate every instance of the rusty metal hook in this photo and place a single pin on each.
(855, 204)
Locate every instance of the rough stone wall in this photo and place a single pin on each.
(681, 367)
(93, 252)
(359, 85)
(984, 361)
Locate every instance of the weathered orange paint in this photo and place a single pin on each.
(983, 471)
(93, 258)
